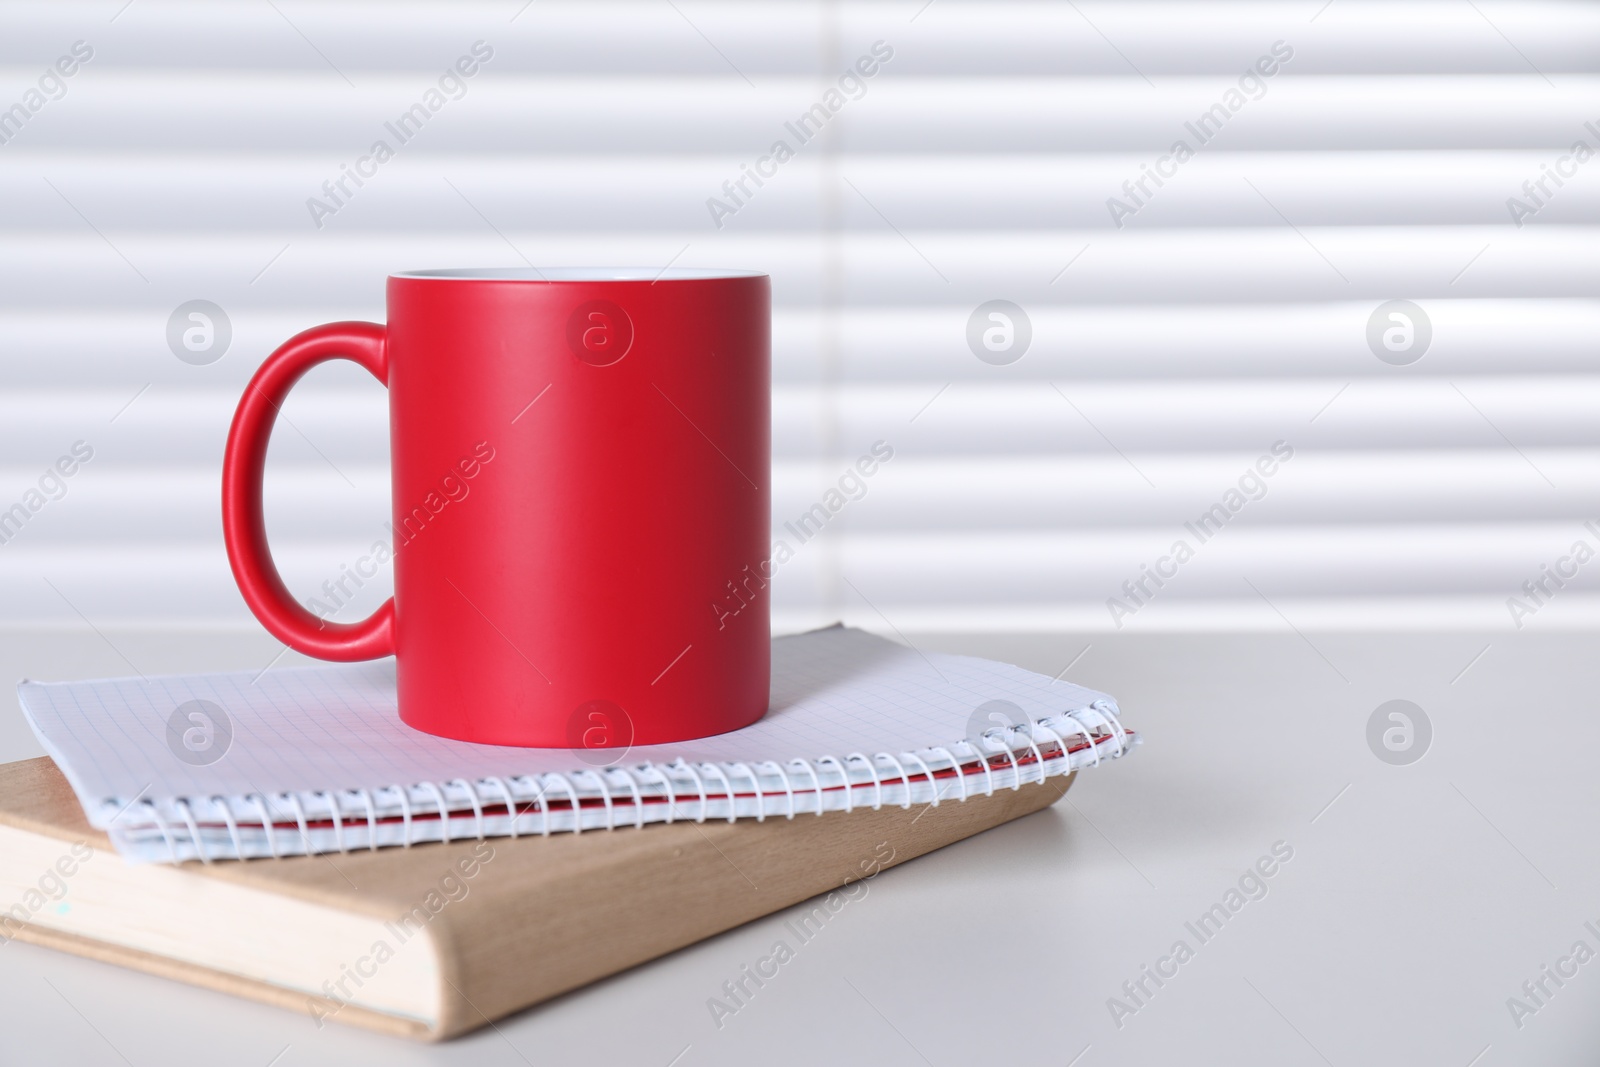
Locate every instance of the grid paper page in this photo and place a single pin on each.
(327, 729)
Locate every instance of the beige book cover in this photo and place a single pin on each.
(435, 940)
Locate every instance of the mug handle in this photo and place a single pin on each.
(244, 462)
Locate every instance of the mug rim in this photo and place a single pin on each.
(553, 275)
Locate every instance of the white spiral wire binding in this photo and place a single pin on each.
(1088, 735)
(1081, 722)
(405, 812)
(542, 795)
(182, 804)
(542, 791)
(952, 762)
(1061, 743)
(477, 805)
(1037, 754)
(444, 809)
(1016, 770)
(816, 783)
(873, 764)
(904, 777)
(849, 793)
(1082, 729)
(983, 762)
(602, 780)
(788, 786)
(1008, 743)
(572, 797)
(1117, 732)
(514, 809)
(536, 806)
(672, 792)
(511, 803)
(300, 820)
(372, 819)
(1065, 733)
(877, 783)
(537, 786)
(166, 831)
(1103, 707)
(700, 783)
(1087, 730)
(755, 791)
(638, 798)
(233, 827)
(933, 783)
(727, 788)
(605, 796)
(957, 767)
(573, 802)
(267, 825)
(338, 824)
(1087, 719)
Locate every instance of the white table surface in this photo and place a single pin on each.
(1419, 898)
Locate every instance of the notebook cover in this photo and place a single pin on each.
(584, 905)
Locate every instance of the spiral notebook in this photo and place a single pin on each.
(315, 759)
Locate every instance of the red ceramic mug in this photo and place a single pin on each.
(581, 492)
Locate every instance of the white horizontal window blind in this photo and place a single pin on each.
(1167, 315)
